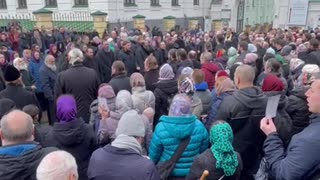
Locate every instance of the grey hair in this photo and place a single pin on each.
(16, 136)
(76, 55)
(57, 165)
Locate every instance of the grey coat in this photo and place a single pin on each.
(142, 99)
(206, 100)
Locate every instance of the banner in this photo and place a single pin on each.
(298, 12)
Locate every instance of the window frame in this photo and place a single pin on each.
(196, 2)
(155, 3)
(47, 3)
(129, 3)
(80, 4)
(4, 3)
(20, 4)
(175, 3)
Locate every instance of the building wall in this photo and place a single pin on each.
(258, 12)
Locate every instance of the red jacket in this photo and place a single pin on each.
(210, 70)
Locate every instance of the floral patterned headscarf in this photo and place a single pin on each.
(221, 137)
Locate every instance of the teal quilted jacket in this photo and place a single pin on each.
(168, 134)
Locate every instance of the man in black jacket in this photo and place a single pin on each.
(127, 57)
(19, 155)
(142, 52)
(314, 53)
(79, 81)
(243, 111)
(161, 54)
(105, 58)
(90, 61)
(15, 90)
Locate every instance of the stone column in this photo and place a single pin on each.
(169, 22)
(139, 22)
(99, 22)
(43, 18)
(193, 23)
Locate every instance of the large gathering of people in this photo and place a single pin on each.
(139, 105)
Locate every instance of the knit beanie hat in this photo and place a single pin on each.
(295, 63)
(131, 124)
(272, 83)
(250, 58)
(252, 48)
(11, 73)
(166, 72)
(106, 91)
(271, 51)
(222, 73)
(286, 50)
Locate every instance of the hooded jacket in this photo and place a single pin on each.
(204, 95)
(210, 70)
(126, 164)
(105, 61)
(297, 108)
(75, 137)
(164, 91)
(151, 78)
(232, 56)
(21, 161)
(142, 99)
(166, 139)
(243, 111)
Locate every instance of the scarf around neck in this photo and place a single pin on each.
(127, 142)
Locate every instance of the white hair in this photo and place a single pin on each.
(57, 165)
(76, 55)
(18, 66)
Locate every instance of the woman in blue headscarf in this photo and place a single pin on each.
(72, 135)
(221, 161)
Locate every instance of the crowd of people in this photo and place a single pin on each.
(139, 105)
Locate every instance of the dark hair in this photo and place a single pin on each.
(220, 38)
(314, 43)
(32, 110)
(119, 67)
(275, 66)
(152, 62)
(244, 45)
(192, 55)
(308, 36)
(280, 42)
(172, 53)
(268, 56)
(182, 54)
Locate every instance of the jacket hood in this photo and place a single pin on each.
(23, 162)
(124, 102)
(202, 86)
(179, 127)
(250, 97)
(299, 92)
(213, 68)
(232, 52)
(168, 86)
(71, 133)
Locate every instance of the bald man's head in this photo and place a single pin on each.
(16, 128)
(244, 76)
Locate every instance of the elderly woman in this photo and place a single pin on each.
(179, 125)
(141, 98)
(110, 119)
(72, 134)
(220, 160)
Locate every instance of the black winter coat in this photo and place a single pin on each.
(129, 61)
(282, 121)
(20, 96)
(75, 137)
(48, 40)
(151, 77)
(162, 56)
(23, 165)
(120, 82)
(82, 83)
(164, 91)
(297, 108)
(243, 110)
(206, 161)
(91, 63)
(105, 61)
(141, 54)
